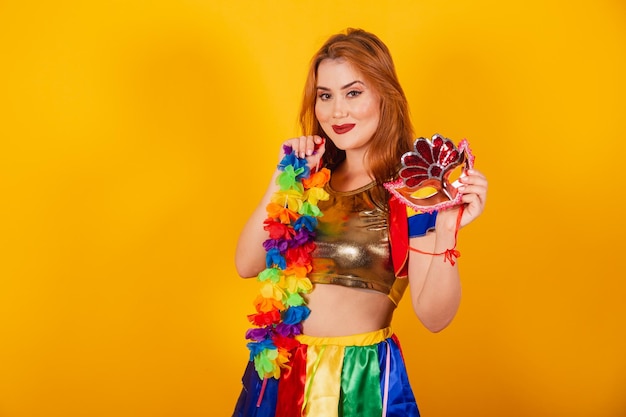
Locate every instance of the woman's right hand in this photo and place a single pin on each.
(250, 253)
(310, 147)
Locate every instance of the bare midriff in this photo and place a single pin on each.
(343, 311)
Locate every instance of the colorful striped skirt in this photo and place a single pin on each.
(359, 375)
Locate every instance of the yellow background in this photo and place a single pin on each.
(136, 137)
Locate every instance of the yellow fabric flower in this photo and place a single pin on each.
(315, 194)
(292, 199)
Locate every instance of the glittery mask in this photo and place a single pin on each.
(428, 178)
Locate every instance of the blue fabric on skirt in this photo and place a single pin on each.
(400, 399)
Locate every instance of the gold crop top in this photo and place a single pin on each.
(353, 244)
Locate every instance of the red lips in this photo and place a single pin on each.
(341, 129)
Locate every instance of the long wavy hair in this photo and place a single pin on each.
(394, 135)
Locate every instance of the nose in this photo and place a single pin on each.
(339, 109)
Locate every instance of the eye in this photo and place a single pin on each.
(354, 93)
(323, 96)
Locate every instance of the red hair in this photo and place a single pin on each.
(371, 57)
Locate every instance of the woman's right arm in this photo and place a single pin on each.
(250, 254)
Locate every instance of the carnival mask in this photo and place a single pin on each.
(429, 175)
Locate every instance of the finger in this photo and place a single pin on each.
(297, 145)
(470, 192)
(474, 178)
(475, 183)
(471, 199)
(472, 210)
(475, 172)
(315, 160)
(311, 144)
(301, 147)
(305, 146)
(317, 142)
(319, 145)
(473, 189)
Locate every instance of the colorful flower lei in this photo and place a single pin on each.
(291, 223)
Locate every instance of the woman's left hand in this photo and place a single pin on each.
(474, 191)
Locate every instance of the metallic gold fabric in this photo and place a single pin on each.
(353, 244)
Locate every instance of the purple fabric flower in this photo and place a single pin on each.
(280, 244)
(287, 149)
(288, 330)
(259, 334)
(303, 236)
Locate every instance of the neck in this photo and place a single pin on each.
(351, 174)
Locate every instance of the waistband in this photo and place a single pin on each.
(361, 339)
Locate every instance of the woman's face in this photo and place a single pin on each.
(347, 107)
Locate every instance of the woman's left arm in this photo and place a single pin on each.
(434, 279)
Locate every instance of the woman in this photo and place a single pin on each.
(347, 361)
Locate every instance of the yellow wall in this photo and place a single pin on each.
(136, 136)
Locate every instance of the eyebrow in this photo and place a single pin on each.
(319, 87)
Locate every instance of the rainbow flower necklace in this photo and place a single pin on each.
(280, 306)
